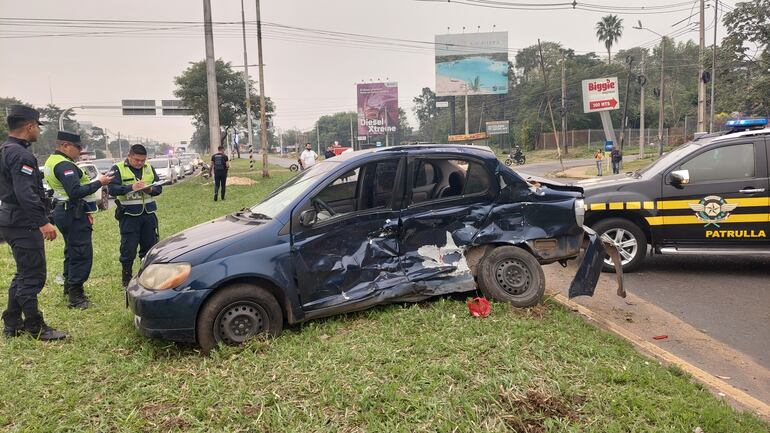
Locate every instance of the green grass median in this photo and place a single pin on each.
(399, 368)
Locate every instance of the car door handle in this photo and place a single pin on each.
(751, 190)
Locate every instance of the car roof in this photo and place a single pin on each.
(418, 149)
(746, 133)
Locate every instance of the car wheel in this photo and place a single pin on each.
(631, 242)
(511, 274)
(238, 313)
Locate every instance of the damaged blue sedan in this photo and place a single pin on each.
(396, 224)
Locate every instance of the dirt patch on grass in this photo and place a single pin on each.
(162, 417)
(539, 311)
(244, 181)
(526, 411)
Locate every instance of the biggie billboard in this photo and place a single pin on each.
(472, 64)
(377, 108)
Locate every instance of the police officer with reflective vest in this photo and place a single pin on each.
(24, 224)
(74, 196)
(135, 200)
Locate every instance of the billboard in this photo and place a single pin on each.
(600, 94)
(497, 127)
(377, 108)
(472, 64)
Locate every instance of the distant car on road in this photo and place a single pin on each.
(102, 195)
(103, 165)
(395, 224)
(187, 165)
(165, 170)
(176, 163)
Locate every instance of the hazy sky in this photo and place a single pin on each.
(307, 75)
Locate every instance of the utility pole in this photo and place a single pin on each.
(548, 99)
(642, 82)
(660, 106)
(262, 105)
(211, 79)
(564, 105)
(466, 109)
(701, 83)
(248, 87)
(713, 68)
(630, 62)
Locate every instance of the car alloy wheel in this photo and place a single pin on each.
(627, 244)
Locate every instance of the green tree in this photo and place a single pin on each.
(609, 30)
(191, 90)
(4, 103)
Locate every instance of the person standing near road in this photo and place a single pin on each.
(599, 157)
(24, 224)
(329, 153)
(616, 157)
(75, 197)
(220, 163)
(135, 207)
(308, 157)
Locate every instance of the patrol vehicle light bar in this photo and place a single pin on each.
(747, 123)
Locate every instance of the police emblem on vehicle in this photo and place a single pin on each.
(712, 210)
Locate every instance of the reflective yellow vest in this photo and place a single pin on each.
(58, 189)
(136, 202)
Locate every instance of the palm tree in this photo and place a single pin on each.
(609, 30)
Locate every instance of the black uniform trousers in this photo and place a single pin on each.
(29, 253)
(220, 181)
(141, 231)
(78, 248)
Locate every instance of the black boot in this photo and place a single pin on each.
(35, 325)
(77, 297)
(127, 274)
(66, 288)
(13, 326)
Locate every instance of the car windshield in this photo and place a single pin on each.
(159, 163)
(296, 187)
(668, 158)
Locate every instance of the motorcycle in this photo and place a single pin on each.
(519, 159)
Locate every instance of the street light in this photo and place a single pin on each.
(660, 107)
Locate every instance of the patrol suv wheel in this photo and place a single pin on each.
(511, 274)
(237, 313)
(631, 242)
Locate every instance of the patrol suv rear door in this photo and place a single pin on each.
(725, 204)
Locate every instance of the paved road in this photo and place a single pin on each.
(543, 168)
(727, 298)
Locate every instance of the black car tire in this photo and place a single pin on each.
(237, 313)
(628, 229)
(511, 274)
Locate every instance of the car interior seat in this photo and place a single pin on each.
(455, 187)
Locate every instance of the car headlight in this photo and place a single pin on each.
(164, 276)
(580, 211)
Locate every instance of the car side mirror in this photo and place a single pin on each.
(680, 177)
(308, 217)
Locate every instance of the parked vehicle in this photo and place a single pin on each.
(377, 226)
(165, 170)
(103, 165)
(706, 197)
(177, 164)
(195, 157)
(187, 165)
(102, 195)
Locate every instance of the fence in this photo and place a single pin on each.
(594, 138)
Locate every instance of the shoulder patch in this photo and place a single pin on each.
(25, 169)
(69, 172)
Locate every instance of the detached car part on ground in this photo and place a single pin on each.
(707, 197)
(365, 228)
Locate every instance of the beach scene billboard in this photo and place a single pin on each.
(472, 64)
(377, 108)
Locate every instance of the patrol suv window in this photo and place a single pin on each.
(722, 163)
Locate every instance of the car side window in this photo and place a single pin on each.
(425, 181)
(370, 186)
(453, 178)
(477, 179)
(723, 163)
(339, 196)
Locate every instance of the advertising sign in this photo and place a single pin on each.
(497, 127)
(472, 64)
(468, 137)
(600, 94)
(377, 108)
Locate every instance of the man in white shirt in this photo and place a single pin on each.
(307, 158)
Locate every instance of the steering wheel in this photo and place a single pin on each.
(324, 206)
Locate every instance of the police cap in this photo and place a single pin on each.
(23, 112)
(68, 136)
(138, 149)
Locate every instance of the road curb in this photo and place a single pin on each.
(742, 398)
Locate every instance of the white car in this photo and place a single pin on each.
(187, 165)
(102, 196)
(195, 157)
(177, 164)
(165, 170)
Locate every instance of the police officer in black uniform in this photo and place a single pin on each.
(75, 199)
(135, 211)
(24, 224)
(220, 163)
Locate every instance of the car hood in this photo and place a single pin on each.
(196, 237)
(608, 183)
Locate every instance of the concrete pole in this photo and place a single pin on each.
(466, 109)
(661, 104)
(211, 79)
(564, 105)
(262, 105)
(641, 109)
(701, 84)
(713, 68)
(248, 84)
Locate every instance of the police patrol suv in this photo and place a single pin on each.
(709, 196)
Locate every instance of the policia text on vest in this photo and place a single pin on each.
(136, 207)
(74, 197)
